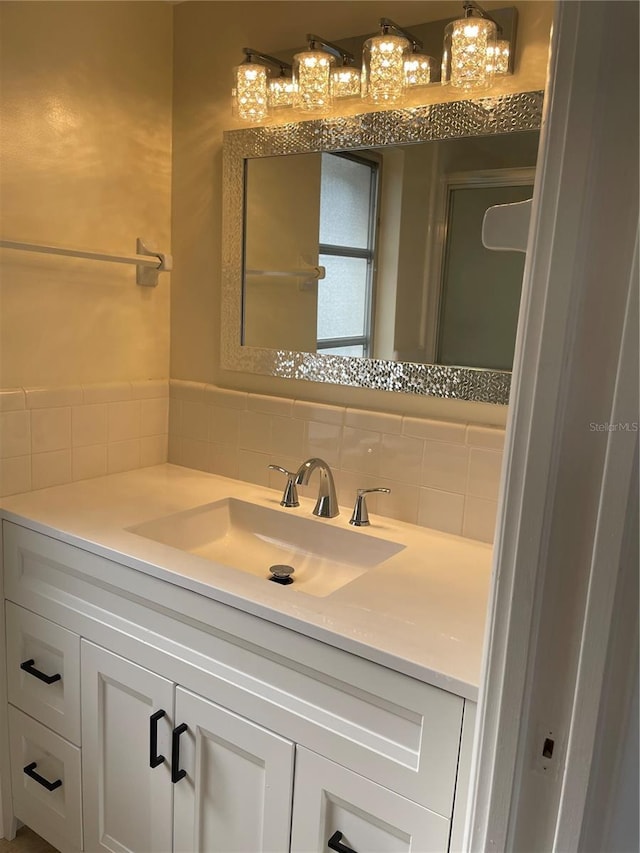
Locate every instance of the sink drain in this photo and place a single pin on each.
(281, 574)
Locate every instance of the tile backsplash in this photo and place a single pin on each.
(443, 475)
(52, 436)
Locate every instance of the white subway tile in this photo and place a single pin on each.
(50, 429)
(270, 405)
(89, 425)
(485, 468)
(378, 421)
(287, 437)
(12, 400)
(88, 462)
(479, 518)
(318, 412)
(153, 450)
(50, 469)
(195, 454)
(194, 421)
(324, 440)
(401, 458)
(441, 510)
(106, 392)
(184, 390)
(154, 416)
(15, 434)
(482, 436)
(53, 398)
(174, 449)
(445, 466)
(401, 503)
(123, 456)
(175, 417)
(148, 389)
(225, 397)
(224, 425)
(255, 432)
(15, 475)
(253, 467)
(223, 460)
(123, 420)
(446, 431)
(360, 451)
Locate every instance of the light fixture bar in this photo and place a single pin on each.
(471, 6)
(253, 55)
(344, 56)
(387, 24)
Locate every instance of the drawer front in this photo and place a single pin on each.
(46, 782)
(43, 671)
(334, 805)
(380, 723)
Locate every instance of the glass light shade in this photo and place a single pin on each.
(417, 70)
(383, 59)
(466, 47)
(345, 82)
(250, 91)
(312, 80)
(281, 92)
(498, 57)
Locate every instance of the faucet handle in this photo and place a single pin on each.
(360, 515)
(290, 495)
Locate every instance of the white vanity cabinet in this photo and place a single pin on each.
(160, 763)
(192, 713)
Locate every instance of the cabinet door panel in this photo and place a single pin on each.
(127, 804)
(236, 796)
(329, 798)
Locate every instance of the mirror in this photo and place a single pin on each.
(362, 264)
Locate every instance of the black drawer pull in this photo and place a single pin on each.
(334, 844)
(155, 760)
(30, 770)
(29, 667)
(176, 773)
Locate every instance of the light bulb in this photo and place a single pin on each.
(281, 92)
(345, 82)
(250, 91)
(312, 81)
(417, 70)
(498, 57)
(467, 44)
(383, 68)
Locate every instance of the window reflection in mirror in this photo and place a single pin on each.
(398, 231)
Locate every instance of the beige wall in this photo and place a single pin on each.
(208, 39)
(86, 154)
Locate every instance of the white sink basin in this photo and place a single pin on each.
(251, 538)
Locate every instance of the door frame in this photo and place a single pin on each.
(549, 560)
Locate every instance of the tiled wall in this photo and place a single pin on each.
(51, 436)
(443, 475)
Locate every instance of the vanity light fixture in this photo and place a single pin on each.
(312, 75)
(417, 69)
(383, 63)
(255, 91)
(498, 57)
(469, 58)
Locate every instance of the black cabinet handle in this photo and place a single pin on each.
(155, 760)
(334, 844)
(176, 773)
(30, 770)
(28, 666)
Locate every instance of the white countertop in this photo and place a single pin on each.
(422, 612)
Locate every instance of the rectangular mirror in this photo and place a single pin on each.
(353, 253)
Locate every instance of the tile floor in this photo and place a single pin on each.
(26, 841)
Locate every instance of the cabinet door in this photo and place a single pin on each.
(331, 802)
(127, 803)
(236, 794)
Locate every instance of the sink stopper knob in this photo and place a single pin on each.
(281, 573)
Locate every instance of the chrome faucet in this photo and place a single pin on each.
(327, 503)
